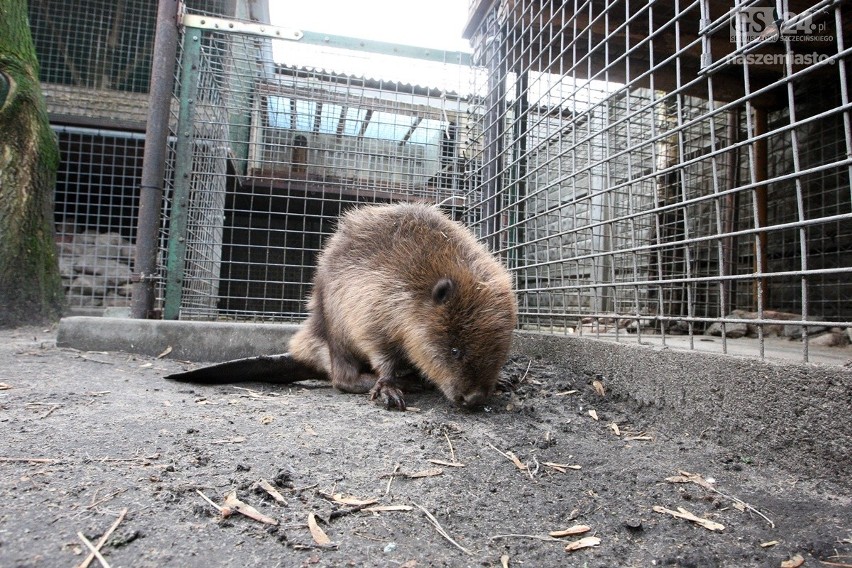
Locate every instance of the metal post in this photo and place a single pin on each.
(154, 159)
(178, 216)
(518, 187)
(495, 113)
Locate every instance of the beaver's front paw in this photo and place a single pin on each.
(389, 393)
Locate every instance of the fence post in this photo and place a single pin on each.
(176, 262)
(154, 160)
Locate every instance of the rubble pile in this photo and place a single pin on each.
(95, 269)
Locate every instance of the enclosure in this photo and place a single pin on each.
(645, 171)
(655, 175)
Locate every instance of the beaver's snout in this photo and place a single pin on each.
(472, 399)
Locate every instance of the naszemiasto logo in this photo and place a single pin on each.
(766, 23)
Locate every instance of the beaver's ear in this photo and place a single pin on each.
(443, 290)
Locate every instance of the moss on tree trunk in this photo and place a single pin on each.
(30, 285)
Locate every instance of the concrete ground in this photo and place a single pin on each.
(738, 394)
(592, 435)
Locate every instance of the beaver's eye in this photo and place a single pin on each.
(456, 353)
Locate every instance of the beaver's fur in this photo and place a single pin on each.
(402, 287)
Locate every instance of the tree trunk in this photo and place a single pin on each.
(30, 285)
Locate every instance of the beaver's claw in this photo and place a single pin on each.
(389, 392)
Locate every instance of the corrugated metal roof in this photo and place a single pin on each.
(387, 69)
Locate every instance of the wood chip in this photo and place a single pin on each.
(165, 352)
(561, 467)
(593, 414)
(317, 533)
(615, 429)
(586, 542)
(353, 501)
(794, 562)
(769, 543)
(432, 472)
(235, 504)
(388, 508)
(686, 477)
(447, 463)
(266, 486)
(234, 440)
(570, 531)
(518, 463)
(565, 393)
(504, 561)
(599, 388)
(5, 386)
(682, 513)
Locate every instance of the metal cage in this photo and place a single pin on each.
(669, 168)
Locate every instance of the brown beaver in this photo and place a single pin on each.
(400, 288)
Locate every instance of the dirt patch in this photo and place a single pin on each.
(106, 434)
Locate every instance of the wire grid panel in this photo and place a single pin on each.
(95, 209)
(666, 167)
(95, 58)
(279, 150)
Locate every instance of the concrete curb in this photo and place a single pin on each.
(190, 341)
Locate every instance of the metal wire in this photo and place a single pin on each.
(662, 168)
(645, 169)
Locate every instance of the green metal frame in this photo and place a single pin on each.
(176, 262)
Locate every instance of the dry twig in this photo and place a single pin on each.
(441, 530)
(511, 457)
(682, 513)
(390, 478)
(95, 550)
(452, 452)
(28, 460)
(220, 509)
(532, 536)
(686, 477)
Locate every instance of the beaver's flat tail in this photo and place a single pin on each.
(281, 369)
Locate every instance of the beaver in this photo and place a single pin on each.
(400, 292)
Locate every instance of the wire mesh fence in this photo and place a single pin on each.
(95, 63)
(669, 168)
(646, 170)
(96, 206)
(269, 154)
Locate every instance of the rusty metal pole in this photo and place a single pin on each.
(154, 159)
